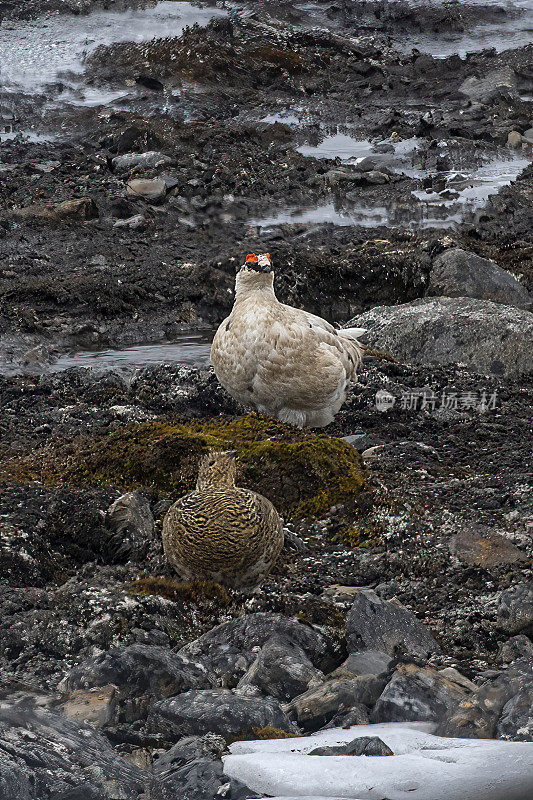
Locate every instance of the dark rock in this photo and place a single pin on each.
(228, 650)
(201, 779)
(417, 694)
(516, 721)
(149, 83)
(216, 711)
(281, 670)
(519, 646)
(481, 546)
(362, 746)
(14, 782)
(457, 273)
(331, 701)
(141, 672)
(120, 208)
(477, 716)
(190, 748)
(497, 83)
(514, 613)
(132, 523)
(58, 757)
(486, 337)
(377, 624)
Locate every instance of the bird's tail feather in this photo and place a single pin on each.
(352, 333)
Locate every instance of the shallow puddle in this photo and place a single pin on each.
(466, 193)
(501, 35)
(36, 53)
(348, 148)
(190, 349)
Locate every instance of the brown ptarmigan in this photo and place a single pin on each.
(222, 533)
(288, 363)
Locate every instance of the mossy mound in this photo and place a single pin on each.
(302, 473)
(170, 589)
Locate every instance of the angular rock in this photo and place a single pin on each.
(516, 721)
(152, 190)
(514, 613)
(497, 83)
(479, 545)
(281, 670)
(332, 700)
(366, 662)
(229, 649)
(131, 520)
(527, 136)
(60, 758)
(215, 711)
(519, 646)
(458, 273)
(417, 694)
(386, 625)
(487, 337)
(190, 748)
(14, 782)
(137, 221)
(150, 159)
(477, 716)
(201, 779)
(362, 746)
(140, 672)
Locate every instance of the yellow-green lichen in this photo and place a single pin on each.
(358, 536)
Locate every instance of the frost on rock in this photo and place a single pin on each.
(423, 767)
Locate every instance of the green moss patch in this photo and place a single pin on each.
(302, 473)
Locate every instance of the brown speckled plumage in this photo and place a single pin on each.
(220, 532)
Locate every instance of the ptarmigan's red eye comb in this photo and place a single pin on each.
(251, 258)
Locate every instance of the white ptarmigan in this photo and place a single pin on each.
(288, 363)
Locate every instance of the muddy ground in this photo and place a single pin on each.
(75, 279)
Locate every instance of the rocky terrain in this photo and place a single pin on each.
(381, 152)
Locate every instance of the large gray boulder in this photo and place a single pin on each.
(230, 649)
(457, 273)
(386, 625)
(516, 721)
(478, 715)
(333, 701)
(514, 612)
(216, 711)
(202, 779)
(500, 82)
(416, 694)
(140, 672)
(281, 670)
(58, 758)
(487, 337)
